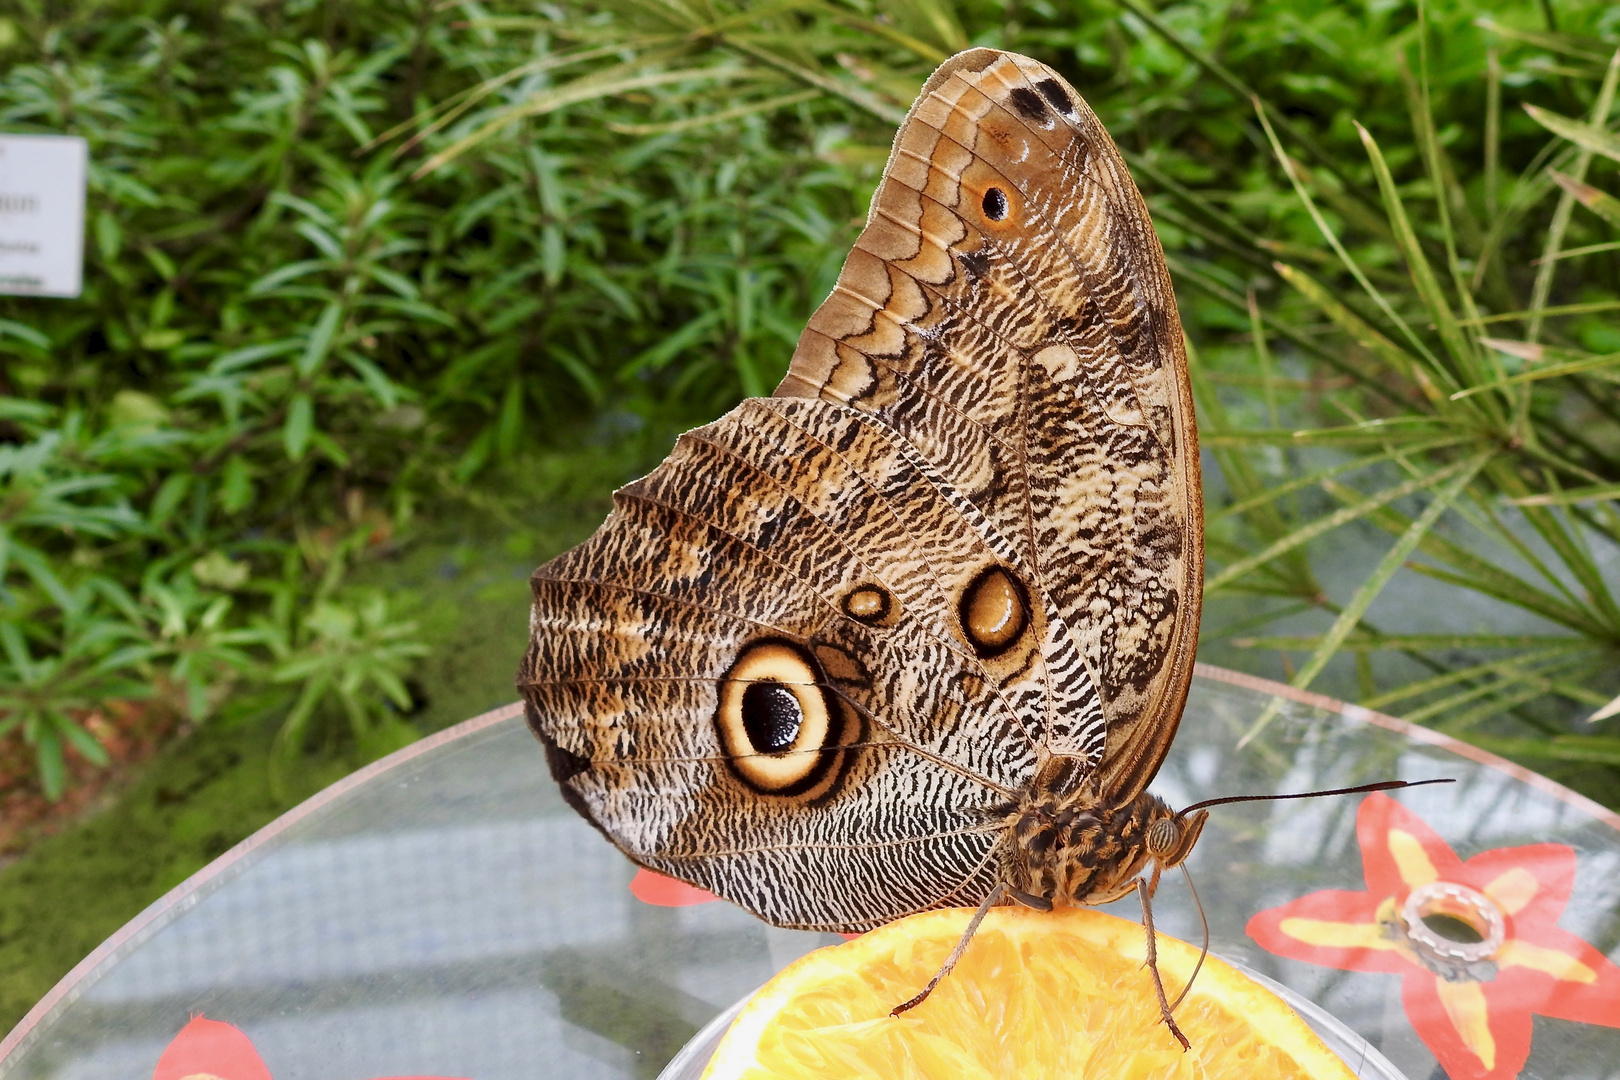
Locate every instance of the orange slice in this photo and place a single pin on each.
(1063, 995)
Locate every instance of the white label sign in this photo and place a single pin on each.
(42, 214)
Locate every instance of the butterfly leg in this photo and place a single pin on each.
(956, 953)
(1145, 890)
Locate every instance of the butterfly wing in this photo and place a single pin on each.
(810, 659)
(799, 547)
(1007, 310)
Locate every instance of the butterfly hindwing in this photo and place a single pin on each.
(635, 632)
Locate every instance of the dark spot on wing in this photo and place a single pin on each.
(976, 263)
(995, 204)
(1053, 91)
(1029, 104)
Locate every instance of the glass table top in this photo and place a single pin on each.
(442, 912)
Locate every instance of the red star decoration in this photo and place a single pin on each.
(211, 1050)
(1474, 1013)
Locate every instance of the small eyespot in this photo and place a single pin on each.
(995, 204)
(869, 604)
(994, 612)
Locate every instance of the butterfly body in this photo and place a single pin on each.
(915, 631)
(1078, 849)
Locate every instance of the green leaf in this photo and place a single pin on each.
(1599, 202)
(52, 769)
(295, 431)
(1586, 136)
(319, 342)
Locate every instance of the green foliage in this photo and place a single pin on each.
(345, 262)
(1351, 217)
(285, 343)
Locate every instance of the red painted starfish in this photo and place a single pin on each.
(1476, 941)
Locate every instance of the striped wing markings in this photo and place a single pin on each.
(1143, 657)
(632, 498)
(702, 642)
(1080, 733)
(1142, 305)
(971, 886)
(968, 891)
(651, 820)
(1078, 226)
(832, 535)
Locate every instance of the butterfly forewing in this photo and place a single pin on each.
(1024, 337)
(809, 660)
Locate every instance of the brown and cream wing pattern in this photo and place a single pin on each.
(794, 540)
(810, 660)
(1008, 312)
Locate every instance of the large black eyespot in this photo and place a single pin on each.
(771, 717)
(995, 204)
(781, 727)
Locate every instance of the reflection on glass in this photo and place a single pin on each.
(451, 916)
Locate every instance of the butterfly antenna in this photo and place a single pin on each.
(1382, 785)
(1203, 952)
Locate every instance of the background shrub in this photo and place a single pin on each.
(349, 261)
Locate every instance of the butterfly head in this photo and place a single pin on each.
(1170, 839)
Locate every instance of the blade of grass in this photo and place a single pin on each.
(1339, 518)
(1552, 371)
(1559, 43)
(722, 116)
(1478, 574)
(1461, 475)
(1584, 749)
(1506, 676)
(1590, 137)
(1565, 309)
(574, 93)
(1428, 287)
(1568, 496)
(1187, 272)
(1594, 199)
(1448, 199)
(1561, 214)
(1493, 130)
(1362, 639)
(1314, 478)
(1362, 332)
(1589, 249)
(1338, 248)
(855, 95)
(1491, 668)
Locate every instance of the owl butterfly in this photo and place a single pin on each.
(917, 630)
